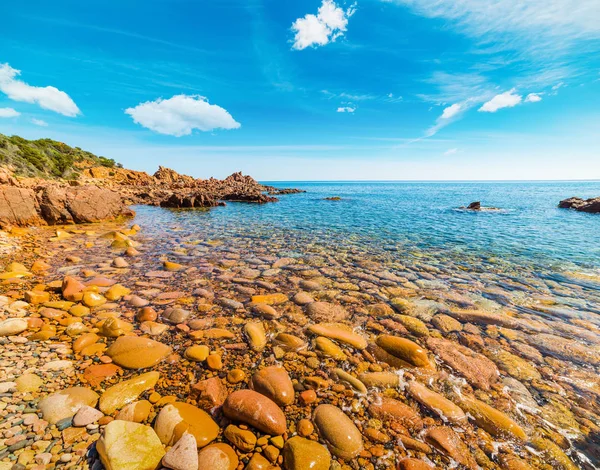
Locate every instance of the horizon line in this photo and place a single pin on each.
(439, 181)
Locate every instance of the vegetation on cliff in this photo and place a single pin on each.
(46, 158)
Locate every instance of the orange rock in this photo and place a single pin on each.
(72, 289)
(96, 373)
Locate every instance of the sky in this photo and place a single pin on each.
(312, 89)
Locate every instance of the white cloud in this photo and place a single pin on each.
(181, 114)
(49, 97)
(450, 151)
(39, 122)
(508, 99)
(9, 113)
(533, 98)
(451, 111)
(346, 109)
(318, 30)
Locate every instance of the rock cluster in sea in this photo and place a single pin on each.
(121, 350)
(582, 205)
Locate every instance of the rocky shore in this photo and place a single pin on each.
(124, 351)
(102, 193)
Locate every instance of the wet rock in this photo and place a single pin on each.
(394, 410)
(123, 393)
(413, 464)
(582, 205)
(178, 418)
(242, 439)
(175, 315)
(566, 349)
(270, 299)
(493, 421)
(257, 410)
(137, 411)
(266, 311)
(446, 324)
(302, 298)
(380, 379)
(553, 454)
(339, 332)
(275, 383)
(436, 403)
(404, 349)
(134, 352)
(445, 440)
(304, 454)
(183, 455)
(257, 337)
(338, 431)
(66, 403)
(326, 312)
(328, 348)
(86, 415)
(131, 446)
(217, 457)
(197, 353)
(478, 370)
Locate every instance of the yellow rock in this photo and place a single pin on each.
(170, 266)
(13, 274)
(178, 418)
(270, 299)
(37, 297)
(436, 403)
(300, 453)
(29, 383)
(197, 353)
(552, 454)
(404, 349)
(79, 310)
(116, 292)
(493, 421)
(123, 393)
(66, 403)
(84, 341)
(59, 304)
(93, 299)
(340, 332)
(136, 412)
(93, 349)
(113, 327)
(134, 352)
(257, 336)
(16, 267)
(328, 348)
(129, 446)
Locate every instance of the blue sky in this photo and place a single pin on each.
(312, 89)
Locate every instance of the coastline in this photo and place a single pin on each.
(255, 310)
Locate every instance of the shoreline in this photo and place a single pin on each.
(252, 311)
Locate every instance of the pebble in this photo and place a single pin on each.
(274, 382)
(338, 431)
(250, 407)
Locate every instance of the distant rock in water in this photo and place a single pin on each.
(583, 205)
(333, 198)
(477, 207)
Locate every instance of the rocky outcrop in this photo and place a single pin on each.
(477, 207)
(583, 205)
(54, 204)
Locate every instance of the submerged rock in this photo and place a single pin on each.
(134, 352)
(257, 410)
(338, 431)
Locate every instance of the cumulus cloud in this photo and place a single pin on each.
(8, 113)
(318, 30)
(48, 97)
(451, 111)
(346, 109)
(533, 98)
(181, 114)
(449, 114)
(508, 99)
(39, 122)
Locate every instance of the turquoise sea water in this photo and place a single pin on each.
(413, 217)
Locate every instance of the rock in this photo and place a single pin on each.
(326, 312)
(257, 337)
(583, 205)
(552, 454)
(257, 410)
(270, 299)
(183, 455)
(197, 353)
(380, 379)
(478, 370)
(66, 403)
(304, 454)
(338, 431)
(28, 383)
(178, 418)
(114, 327)
(565, 349)
(404, 349)
(18, 207)
(37, 297)
(123, 393)
(217, 457)
(13, 326)
(518, 368)
(275, 383)
(116, 292)
(266, 311)
(137, 411)
(134, 352)
(349, 379)
(175, 315)
(93, 299)
(339, 332)
(493, 421)
(449, 443)
(436, 403)
(302, 298)
(209, 393)
(258, 462)
(413, 464)
(326, 347)
(446, 324)
(86, 415)
(129, 446)
(389, 409)
(240, 438)
(72, 289)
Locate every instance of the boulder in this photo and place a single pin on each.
(178, 418)
(134, 352)
(66, 403)
(583, 205)
(18, 206)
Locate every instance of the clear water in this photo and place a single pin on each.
(416, 217)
